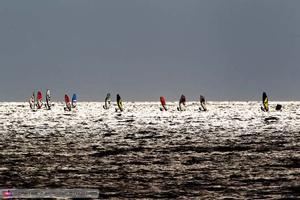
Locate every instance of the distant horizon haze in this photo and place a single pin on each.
(173, 98)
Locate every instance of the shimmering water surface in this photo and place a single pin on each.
(231, 151)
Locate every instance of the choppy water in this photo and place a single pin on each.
(228, 152)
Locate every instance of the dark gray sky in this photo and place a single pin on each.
(224, 49)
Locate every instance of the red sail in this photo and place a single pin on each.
(39, 95)
(163, 101)
(68, 103)
(67, 99)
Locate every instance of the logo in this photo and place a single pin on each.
(7, 194)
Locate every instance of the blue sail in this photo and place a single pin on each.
(74, 100)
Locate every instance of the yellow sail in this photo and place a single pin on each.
(265, 102)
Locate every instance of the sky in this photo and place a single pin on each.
(143, 49)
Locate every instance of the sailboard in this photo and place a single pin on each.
(202, 103)
(32, 102)
(265, 102)
(163, 103)
(107, 101)
(74, 101)
(119, 103)
(39, 100)
(68, 103)
(278, 107)
(48, 99)
(182, 103)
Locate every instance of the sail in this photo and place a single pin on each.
(74, 101)
(107, 101)
(39, 95)
(32, 101)
(163, 103)
(203, 103)
(39, 100)
(182, 102)
(265, 102)
(120, 103)
(48, 99)
(67, 102)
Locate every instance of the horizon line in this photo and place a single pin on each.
(175, 101)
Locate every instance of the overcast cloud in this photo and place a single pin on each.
(142, 49)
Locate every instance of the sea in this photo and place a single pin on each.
(232, 151)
